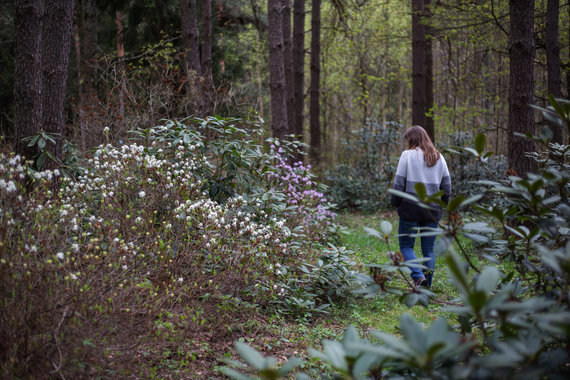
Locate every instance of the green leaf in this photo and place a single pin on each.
(441, 246)
(437, 332)
(386, 227)
(41, 143)
(470, 200)
(476, 237)
(250, 355)
(350, 335)
(386, 350)
(472, 151)
(41, 159)
(454, 203)
(373, 232)
(404, 195)
(412, 331)
(477, 300)
(433, 349)
(234, 374)
(488, 279)
(457, 271)
(393, 342)
(420, 190)
(480, 142)
(411, 299)
(33, 140)
(478, 227)
(87, 342)
(289, 365)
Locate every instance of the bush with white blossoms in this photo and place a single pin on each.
(161, 224)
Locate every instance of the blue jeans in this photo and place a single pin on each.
(406, 232)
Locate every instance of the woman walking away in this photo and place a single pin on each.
(421, 162)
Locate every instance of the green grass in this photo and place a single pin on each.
(383, 311)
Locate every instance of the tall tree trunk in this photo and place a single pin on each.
(288, 63)
(27, 74)
(277, 84)
(190, 34)
(553, 58)
(315, 124)
(88, 37)
(521, 88)
(418, 64)
(298, 53)
(567, 70)
(206, 56)
(429, 125)
(206, 47)
(55, 61)
(219, 15)
(80, 81)
(121, 70)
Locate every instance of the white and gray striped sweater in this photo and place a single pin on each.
(411, 170)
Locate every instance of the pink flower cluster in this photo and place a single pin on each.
(300, 190)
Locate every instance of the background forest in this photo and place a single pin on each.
(178, 175)
(127, 68)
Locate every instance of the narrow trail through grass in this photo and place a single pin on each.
(383, 311)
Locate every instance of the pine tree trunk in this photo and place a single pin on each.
(121, 70)
(206, 58)
(80, 81)
(315, 123)
(418, 64)
(553, 58)
(190, 34)
(56, 43)
(28, 74)
(299, 65)
(206, 47)
(277, 84)
(429, 125)
(288, 63)
(88, 37)
(521, 88)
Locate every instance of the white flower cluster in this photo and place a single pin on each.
(217, 220)
(11, 172)
(8, 187)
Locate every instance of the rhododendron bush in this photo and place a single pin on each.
(184, 213)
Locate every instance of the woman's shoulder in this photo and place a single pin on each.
(407, 152)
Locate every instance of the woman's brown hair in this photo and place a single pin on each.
(417, 137)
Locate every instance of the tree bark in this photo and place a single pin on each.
(190, 34)
(429, 125)
(88, 37)
(206, 47)
(207, 84)
(56, 43)
(315, 124)
(121, 69)
(288, 63)
(277, 84)
(521, 87)
(298, 53)
(80, 82)
(418, 64)
(27, 74)
(553, 58)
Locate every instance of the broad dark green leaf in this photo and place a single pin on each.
(480, 142)
(477, 300)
